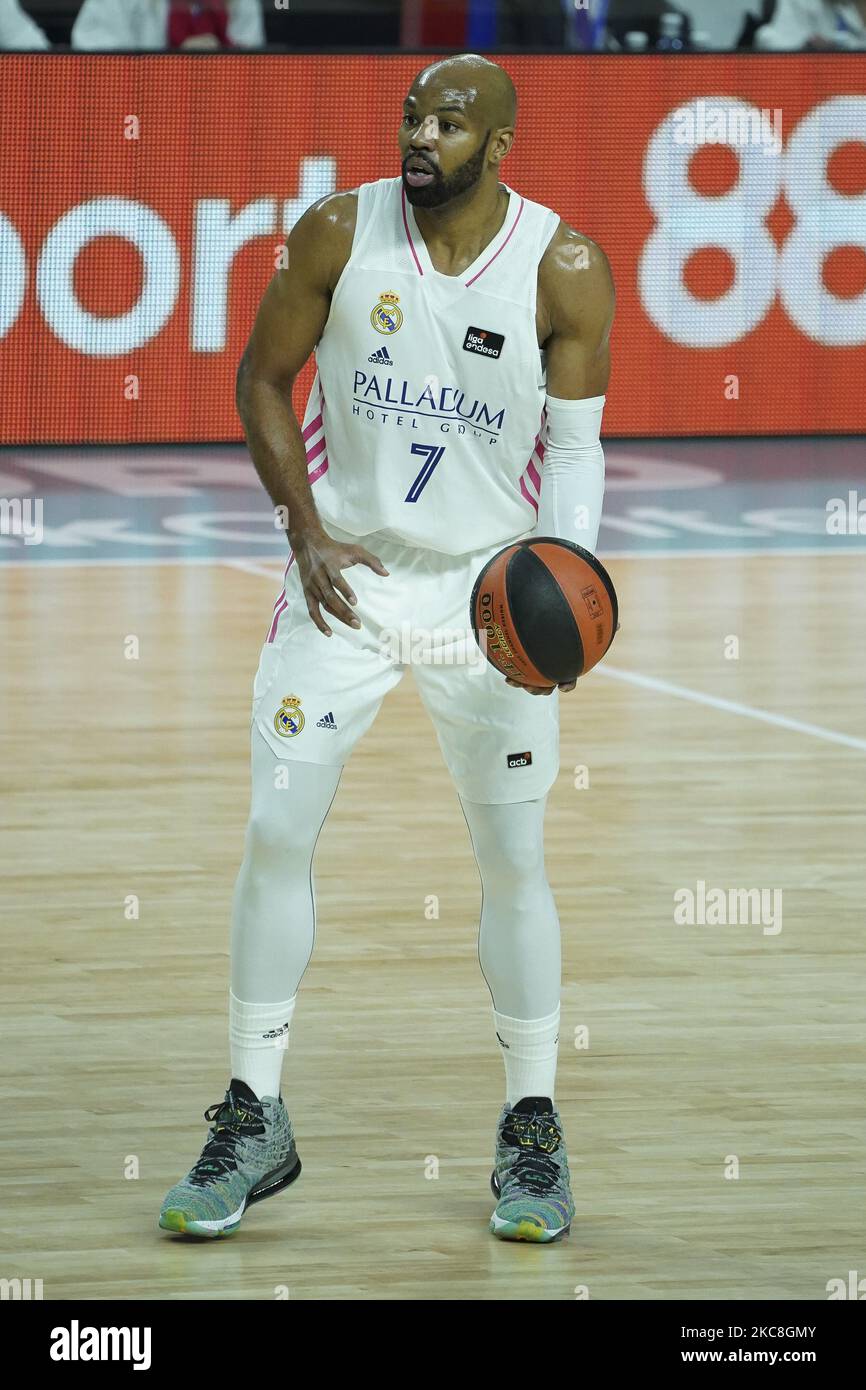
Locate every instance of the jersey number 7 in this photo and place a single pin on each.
(432, 453)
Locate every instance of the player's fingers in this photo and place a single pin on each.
(530, 689)
(569, 686)
(363, 557)
(313, 610)
(335, 605)
(341, 584)
(322, 588)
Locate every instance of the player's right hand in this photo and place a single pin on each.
(321, 561)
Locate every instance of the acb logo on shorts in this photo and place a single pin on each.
(288, 720)
(387, 316)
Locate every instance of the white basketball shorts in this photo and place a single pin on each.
(314, 696)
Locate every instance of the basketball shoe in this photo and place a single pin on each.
(530, 1176)
(250, 1155)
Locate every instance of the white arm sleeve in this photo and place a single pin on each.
(572, 476)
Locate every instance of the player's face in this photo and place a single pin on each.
(442, 147)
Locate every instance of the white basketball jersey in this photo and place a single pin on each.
(426, 417)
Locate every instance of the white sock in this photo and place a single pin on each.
(259, 1040)
(529, 1052)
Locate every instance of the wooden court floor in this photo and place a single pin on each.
(713, 1050)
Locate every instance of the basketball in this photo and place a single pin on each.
(544, 611)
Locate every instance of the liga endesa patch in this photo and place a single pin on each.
(483, 341)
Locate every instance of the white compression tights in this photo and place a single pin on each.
(518, 940)
(274, 911)
(273, 920)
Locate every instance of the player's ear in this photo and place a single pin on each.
(502, 142)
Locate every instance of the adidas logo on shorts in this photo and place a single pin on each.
(326, 721)
(382, 357)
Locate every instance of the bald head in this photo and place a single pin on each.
(458, 124)
(484, 87)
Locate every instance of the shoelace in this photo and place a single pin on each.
(532, 1168)
(219, 1154)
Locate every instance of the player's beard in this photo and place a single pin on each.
(441, 190)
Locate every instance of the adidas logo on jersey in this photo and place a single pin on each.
(382, 357)
(326, 721)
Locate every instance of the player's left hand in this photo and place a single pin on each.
(539, 689)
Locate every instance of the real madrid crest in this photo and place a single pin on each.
(387, 315)
(288, 720)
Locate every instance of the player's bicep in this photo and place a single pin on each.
(575, 369)
(582, 303)
(293, 310)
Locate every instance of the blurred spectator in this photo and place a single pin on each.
(169, 24)
(17, 29)
(643, 17)
(758, 13)
(814, 24)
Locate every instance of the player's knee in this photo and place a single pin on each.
(513, 869)
(527, 888)
(277, 839)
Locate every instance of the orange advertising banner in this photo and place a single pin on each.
(143, 199)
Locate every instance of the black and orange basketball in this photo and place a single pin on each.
(544, 611)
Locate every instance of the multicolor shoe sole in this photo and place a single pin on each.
(523, 1230)
(177, 1221)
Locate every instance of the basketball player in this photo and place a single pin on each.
(461, 337)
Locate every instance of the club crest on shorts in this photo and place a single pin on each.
(288, 720)
(387, 316)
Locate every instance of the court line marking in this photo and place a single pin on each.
(248, 565)
(786, 552)
(698, 697)
(256, 567)
(79, 562)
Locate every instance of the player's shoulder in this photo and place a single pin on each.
(575, 283)
(334, 215)
(329, 223)
(570, 253)
(321, 239)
